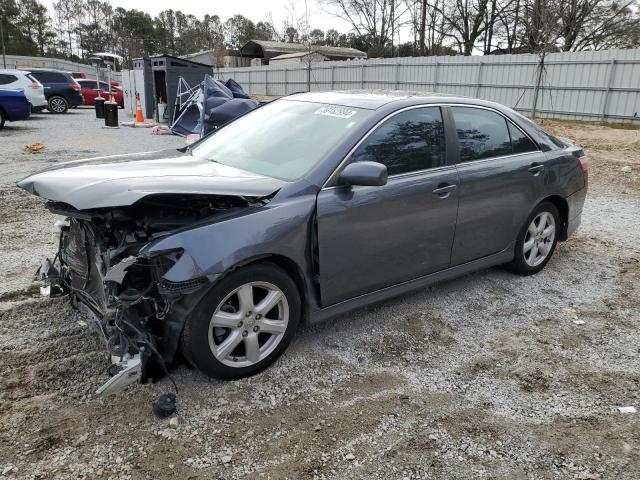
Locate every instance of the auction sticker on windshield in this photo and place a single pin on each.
(335, 111)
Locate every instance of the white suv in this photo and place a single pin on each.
(21, 80)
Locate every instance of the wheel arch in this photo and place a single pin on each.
(563, 209)
(290, 267)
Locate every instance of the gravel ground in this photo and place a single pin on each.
(486, 376)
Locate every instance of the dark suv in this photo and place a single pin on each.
(60, 88)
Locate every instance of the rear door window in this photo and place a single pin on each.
(481, 133)
(409, 141)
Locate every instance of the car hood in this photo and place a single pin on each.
(122, 180)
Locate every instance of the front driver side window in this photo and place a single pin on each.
(409, 141)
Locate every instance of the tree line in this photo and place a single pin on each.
(76, 28)
(467, 27)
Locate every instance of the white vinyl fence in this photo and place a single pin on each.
(21, 61)
(600, 86)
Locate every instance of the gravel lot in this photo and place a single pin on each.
(486, 376)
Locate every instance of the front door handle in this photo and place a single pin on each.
(536, 168)
(444, 190)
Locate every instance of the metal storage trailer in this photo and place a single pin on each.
(167, 71)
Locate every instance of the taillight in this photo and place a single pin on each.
(35, 85)
(583, 163)
(75, 86)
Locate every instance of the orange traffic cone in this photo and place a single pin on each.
(139, 116)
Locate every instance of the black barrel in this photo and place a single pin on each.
(99, 107)
(111, 114)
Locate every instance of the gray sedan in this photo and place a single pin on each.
(304, 209)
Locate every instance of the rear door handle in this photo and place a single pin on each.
(444, 190)
(536, 168)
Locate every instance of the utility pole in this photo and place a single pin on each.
(4, 51)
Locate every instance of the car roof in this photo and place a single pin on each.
(46, 70)
(372, 99)
(13, 71)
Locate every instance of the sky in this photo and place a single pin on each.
(256, 10)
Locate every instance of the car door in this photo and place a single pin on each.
(89, 91)
(501, 173)
(373, 237)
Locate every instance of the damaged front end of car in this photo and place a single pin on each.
(135, 304)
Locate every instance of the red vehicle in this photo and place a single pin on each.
(90, 92)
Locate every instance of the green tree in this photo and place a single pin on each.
(316, 37)
(239, 30)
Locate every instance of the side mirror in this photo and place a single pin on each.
(367, 174)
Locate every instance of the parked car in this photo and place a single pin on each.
(60, 88)
(303, 209)
(21, 80)
(78, 75)
(89, 92)
(14, 106)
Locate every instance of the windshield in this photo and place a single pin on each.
(283, 139)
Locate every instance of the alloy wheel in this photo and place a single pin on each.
(248, 324)
(539, 239)
(57, 105)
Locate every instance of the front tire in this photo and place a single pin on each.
(537, 240)
(244, 323)
(58, 105)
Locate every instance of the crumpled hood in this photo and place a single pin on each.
(122, 180)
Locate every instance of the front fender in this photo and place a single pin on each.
(211, 249)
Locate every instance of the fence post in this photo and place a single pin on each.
(607, 94)
(333, 71)
(266, 82)
(435, 77)
(479, 82)
(397, 76)
(536, 90)
(286, 80)
(362, 76)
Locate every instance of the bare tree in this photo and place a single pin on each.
(376, 21)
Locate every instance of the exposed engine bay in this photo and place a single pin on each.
(136, 311)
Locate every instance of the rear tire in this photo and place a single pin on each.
(2, 120)
(244, 323)
(58, 104)
(537, 240)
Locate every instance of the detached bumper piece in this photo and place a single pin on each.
(125, 371)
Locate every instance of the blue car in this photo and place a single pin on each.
(14, 106)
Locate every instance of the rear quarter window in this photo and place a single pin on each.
(6, 79)
(520, 141)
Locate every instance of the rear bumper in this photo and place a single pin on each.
(19, 114)
(575, 203)
(37, 99)
(75, 100)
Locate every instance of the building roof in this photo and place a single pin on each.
(297, 55)
(226, 51)
(271, 46)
